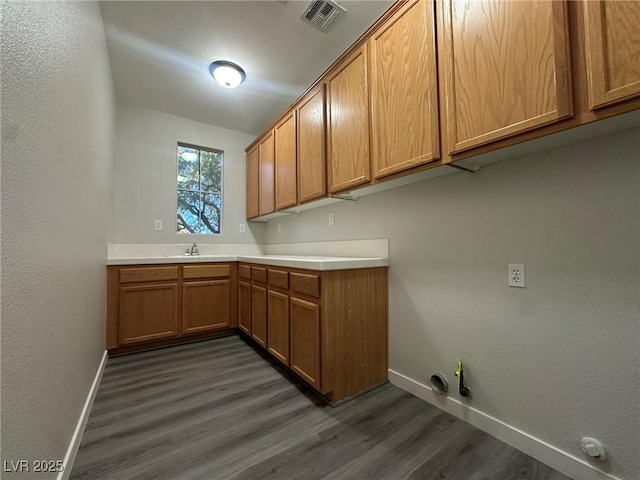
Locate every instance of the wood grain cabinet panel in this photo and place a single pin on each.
(355, 347)
(267, 172)
(259, 274)
(612, 37)
(306, 284)
(278, 326)
(348, 125)
(148, 274)
(253, 183)
(312, 174)
(404, 90)
(206, 305)
(147, 312)
(504, 68)
(205, 271)
(278, 278)
(285, 161)
(259, 314)
(244, 307)
(305, 340)
(244, 271)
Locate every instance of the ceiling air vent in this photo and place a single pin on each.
(322, 13)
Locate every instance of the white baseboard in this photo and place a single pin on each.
(70, 457)
(564, 462)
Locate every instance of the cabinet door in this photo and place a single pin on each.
(253, 183)
(266, 190)
(285, 138)
(348, 132)
(312, 174)
(259, 314)
(278, 326)
(612, 39)
(244, 301)
(404, 90)
(305, 340)
(504, 68)
(206, 305)
(147, 312)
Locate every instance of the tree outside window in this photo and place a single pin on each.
(199, 190)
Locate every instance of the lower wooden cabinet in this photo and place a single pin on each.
(305, 340)
(329, 327)
(244, 307)
(331, 337)
(206, 305)
(153, 305)
(147, 312)
(278, 325)
(259, 314)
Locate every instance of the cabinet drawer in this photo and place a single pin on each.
(245, 272)
(305, 284)
(148, 274)
(259, 274)
(278, 279)
(205, 271)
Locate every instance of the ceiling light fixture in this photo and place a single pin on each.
(227, 74)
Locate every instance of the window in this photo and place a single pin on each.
(199, 190)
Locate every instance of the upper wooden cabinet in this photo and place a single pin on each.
(253, 183)
(285, 161)
(404, 90)
(348, 126)
(267, 165)
(437, 82)
(312, 173)
(612, 38)
(504, 68)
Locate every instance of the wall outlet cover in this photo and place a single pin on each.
(157, 225)
(516, 275)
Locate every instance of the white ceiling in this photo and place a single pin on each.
(160, 54)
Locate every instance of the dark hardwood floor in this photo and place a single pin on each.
(221, 410)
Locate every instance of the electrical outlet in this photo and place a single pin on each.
(157, 225)
(331, 218)
(279, 227)
(243, 228)
(516, 275)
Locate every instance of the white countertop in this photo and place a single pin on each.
(309, 262)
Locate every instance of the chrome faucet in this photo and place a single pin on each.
(193, 250)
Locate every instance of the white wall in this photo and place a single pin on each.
(145, 149)
(57, 115)
(559, 359)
